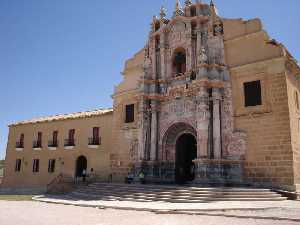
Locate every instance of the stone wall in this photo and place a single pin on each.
(293, 91)
(98, 159)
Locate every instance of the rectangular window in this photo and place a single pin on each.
(95, 132)
(71, 140)
(71, 134)
(36, 166)
(129, 113)
(20, 143)
(18, 165)
(51, 165)
(22, 140)
(252, 92)
(39, 140)
(54, 138)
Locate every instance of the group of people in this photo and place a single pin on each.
(130, 178)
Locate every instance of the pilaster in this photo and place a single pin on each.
(216, 98)
(202, 118)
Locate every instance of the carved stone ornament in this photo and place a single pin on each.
(218, 29)
(134, 149)
(178, 9)
(202, 59)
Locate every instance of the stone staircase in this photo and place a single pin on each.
(172, 194)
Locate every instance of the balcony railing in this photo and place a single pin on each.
(37, 144)
(53, 144)
(69, 142)
(95, 141)
(19, 144)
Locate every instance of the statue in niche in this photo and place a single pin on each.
(202, 59)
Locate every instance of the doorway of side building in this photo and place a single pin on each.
(186, 152)
(81, 164)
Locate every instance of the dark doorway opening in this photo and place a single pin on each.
(81, 164)
(186, 152)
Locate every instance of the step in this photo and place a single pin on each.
(161, 191)
(175, 187)
(175, 191)
(186, 195)
(179, 194)
(178, 200)
(150, 192)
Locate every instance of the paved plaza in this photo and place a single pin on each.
(39, 213)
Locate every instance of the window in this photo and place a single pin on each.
(71, 140)
(252, 92)
(129, 114)
(95, 139)
(18, 165)
(72, 134)
(51, 165)
(95, 132)
(39, 140)
(36, 166)
(54, 138)
(179, 63)
(20, 144)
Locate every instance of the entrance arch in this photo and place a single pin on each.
(186, 152)
(81, 164)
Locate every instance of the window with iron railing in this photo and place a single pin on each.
(69, 142)
(20, 143)
(54, 141)
(95, 141)
(38, 143)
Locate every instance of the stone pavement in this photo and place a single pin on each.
(168, 207)
(39, 213)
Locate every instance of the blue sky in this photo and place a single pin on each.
(63, 56)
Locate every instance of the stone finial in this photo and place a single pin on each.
(178, 9)
(188, 3)
(212, 3)
(162, 13)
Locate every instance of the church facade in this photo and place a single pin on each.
(208, 100)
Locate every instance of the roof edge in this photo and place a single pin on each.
(62, 117)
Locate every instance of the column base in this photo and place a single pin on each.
(219, 172)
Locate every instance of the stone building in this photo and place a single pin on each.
(208, 100)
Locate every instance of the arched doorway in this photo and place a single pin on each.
(81, 164)
(186, 152)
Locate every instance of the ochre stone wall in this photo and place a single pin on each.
(269, 157)
(98, 159)
(293, 89)
(124, 141)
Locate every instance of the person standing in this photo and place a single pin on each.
(142, 177)
(83, 175)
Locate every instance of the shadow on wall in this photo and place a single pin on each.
(1, 170)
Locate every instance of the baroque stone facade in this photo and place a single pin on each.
(196, 99)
